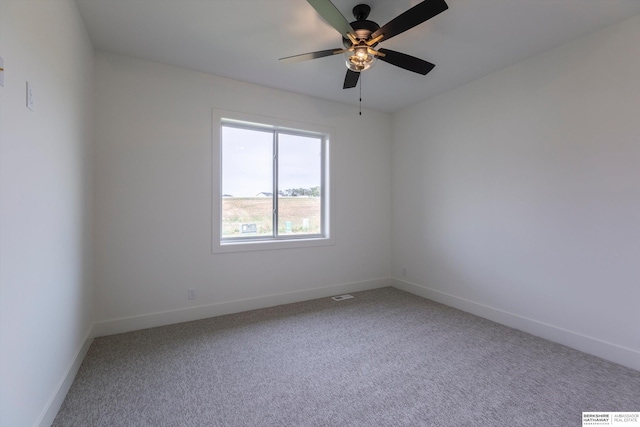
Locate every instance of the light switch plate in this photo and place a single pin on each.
(29, 96)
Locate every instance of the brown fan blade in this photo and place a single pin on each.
(405, 61)
(332, 15)
(312, 55)
(351, 79)
(412, 17)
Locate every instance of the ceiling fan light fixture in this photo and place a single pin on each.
(361, 36)
(360, 59)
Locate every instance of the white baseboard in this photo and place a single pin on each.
(55, 402)
(606, 350)
(127, 324)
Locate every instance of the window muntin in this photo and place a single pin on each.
(272, 183)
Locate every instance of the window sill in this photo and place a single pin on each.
(262, 245)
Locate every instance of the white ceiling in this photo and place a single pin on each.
(243, 39)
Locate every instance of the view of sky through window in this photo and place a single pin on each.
(248, 167)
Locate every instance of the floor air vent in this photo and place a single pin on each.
(342, 297)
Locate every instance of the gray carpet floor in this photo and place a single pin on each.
(384, 358)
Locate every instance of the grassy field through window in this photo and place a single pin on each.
(252, 216)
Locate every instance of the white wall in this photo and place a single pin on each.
(517, 196)
(153, 190)
(45, 287)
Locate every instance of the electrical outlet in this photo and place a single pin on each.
(191, 294)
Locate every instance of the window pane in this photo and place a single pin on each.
(299, 184)
(247, 182)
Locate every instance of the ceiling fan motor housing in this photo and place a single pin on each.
(361, 26)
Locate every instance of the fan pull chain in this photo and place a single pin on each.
(360, 93)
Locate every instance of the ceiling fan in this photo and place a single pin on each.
(361, 37)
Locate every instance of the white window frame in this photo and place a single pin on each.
(221, 245)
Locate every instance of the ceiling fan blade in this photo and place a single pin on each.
(412, 17)
(332, 15)
(351, 79)
(312, 55)
(405, 61)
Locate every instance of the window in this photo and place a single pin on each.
(273, 185)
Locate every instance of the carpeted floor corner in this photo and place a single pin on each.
(383, 358)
